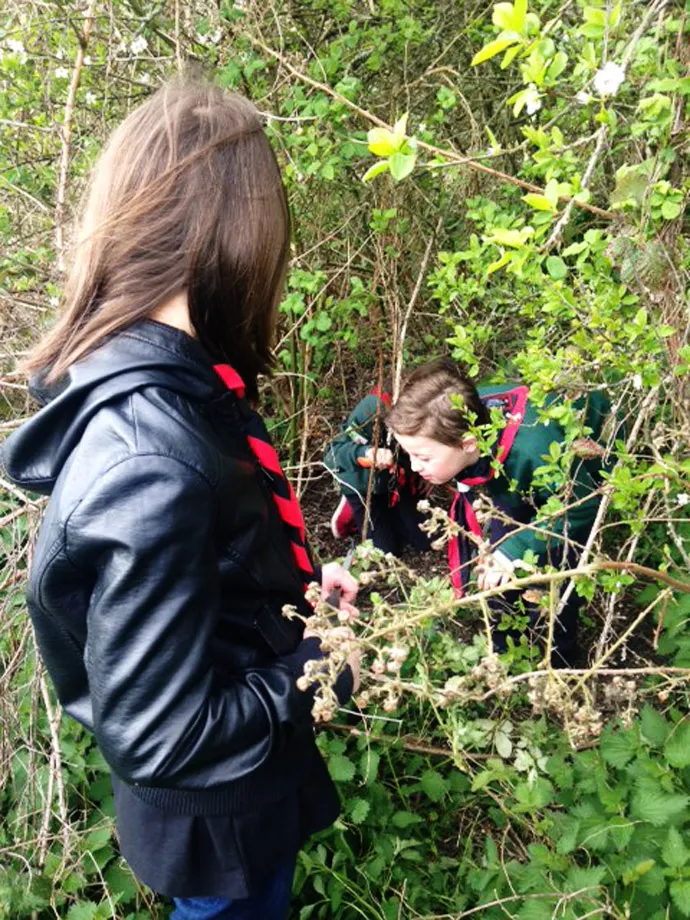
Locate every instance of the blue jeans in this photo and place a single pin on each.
(270, 903)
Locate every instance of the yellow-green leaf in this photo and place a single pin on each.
(381, 142)
(509, 56)
(375, 170)
(399, 130)
(502, 15)
(492, 49)
(513, 238)
(538, 202)
(499, 263)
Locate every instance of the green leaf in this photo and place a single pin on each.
(341, 768)
(369, 766)
(120, 881)
(591, 878)
(654, 726)
(638, 870)
(434, 785)
(541, 909)
(617, 748)
(405, 819)
(677, 748)
(492, 49)
(651, 804)
(538, 202)
(556, 268)
(670, 210)
(82, 910)
(382, 142)
(680, 895)
(359, 809)
(674, 852)
(401, 165)
(323, 322)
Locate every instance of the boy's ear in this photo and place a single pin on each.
(469, 443)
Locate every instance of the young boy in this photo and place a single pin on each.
(359, 452)
(438, 421)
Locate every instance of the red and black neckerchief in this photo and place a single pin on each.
(513, 403)
(283, 494)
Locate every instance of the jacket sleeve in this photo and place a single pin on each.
(351, 444)
(160, 714)
(548, 529)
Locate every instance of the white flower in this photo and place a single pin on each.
(583, 98)
(139, 45)
(87, 60)
(607, 81)
(17, 48)
(144, 78)
(532, 100)
(682, 499)
(61, 73)
(90, 98)
(54, 301)
(637, 381)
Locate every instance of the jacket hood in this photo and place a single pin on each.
(147, 354)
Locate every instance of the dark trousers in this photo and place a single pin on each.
(392, 528)
(270, 903)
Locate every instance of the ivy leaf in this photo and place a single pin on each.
(359, 809)
(677, 748)
(434, 785)
(341, 768)
(674, 852)
(382, 142)
(492, 49)
(680, 895)
(401, 165)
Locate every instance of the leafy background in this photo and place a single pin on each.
(523, 210)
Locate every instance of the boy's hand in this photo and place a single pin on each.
(335, 577)
(381, 458)
(493, 570)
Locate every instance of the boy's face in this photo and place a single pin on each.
(438, 462)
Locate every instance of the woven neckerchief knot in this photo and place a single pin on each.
(283, 494)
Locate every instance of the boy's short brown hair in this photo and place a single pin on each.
(425, 409)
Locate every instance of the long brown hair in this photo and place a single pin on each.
(438, 402)
(187, 196)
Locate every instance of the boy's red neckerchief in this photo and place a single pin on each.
(283, 493)
(516, 402)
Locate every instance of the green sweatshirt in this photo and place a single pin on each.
(356, 435)
(515, 488)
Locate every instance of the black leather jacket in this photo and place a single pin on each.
(159, 575)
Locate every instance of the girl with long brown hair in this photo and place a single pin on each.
(172, 539)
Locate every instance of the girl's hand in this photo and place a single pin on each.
(334, 576)
(381, 458)
(493, 570)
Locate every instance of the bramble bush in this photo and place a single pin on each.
(502, 182)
